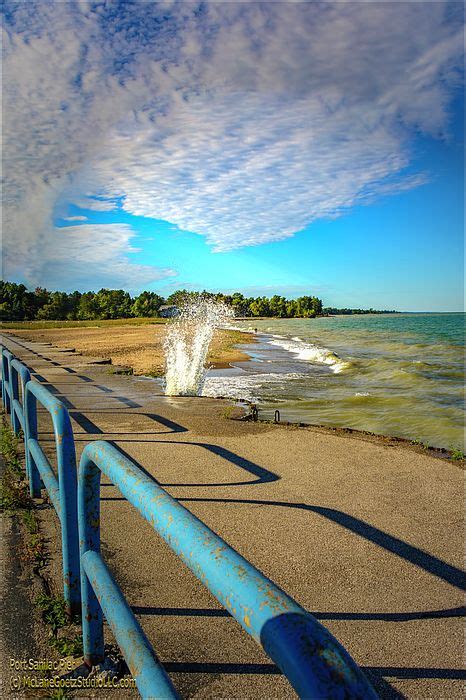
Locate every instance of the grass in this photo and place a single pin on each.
(419, 443)
(15, 498)
(53, 611)
(58, 694)
(456, 454)
(55, 617)
(98, 323)
(14, 494)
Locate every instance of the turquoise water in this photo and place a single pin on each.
(393, 374)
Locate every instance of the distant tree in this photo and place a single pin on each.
(181, 297)
(73, 304)
(147, 304)
(239, 304)
(113, 303)
(88, 307)
(16, 303)
(40, 297)
(55, 309)
(278, 306)
(260, 307)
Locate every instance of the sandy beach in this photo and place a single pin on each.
(137, 346)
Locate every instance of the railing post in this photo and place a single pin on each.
(67, 483)
(89, 539)
(6, 356)
(14, 396)
(30, 423)
(19, 372)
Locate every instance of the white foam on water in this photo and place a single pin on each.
(310, 352)
(245, 386)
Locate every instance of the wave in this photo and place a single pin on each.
(311, 353)
(248, 386)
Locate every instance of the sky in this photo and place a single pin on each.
(275, 147)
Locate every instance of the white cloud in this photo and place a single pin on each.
(90, 255)
(75, 218)
(243, 122)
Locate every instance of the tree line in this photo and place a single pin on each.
(19, 304)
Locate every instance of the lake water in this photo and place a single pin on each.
(393, 374)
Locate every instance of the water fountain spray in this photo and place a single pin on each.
(187, 343)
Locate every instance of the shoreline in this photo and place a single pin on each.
(223, 355)
(365, 435)
(133, 348)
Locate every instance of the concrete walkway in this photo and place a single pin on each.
(366, 535)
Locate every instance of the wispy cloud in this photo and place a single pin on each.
(243, 122)
(93, 256)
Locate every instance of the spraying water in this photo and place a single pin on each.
(187, 343)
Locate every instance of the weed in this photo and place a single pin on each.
(14, 493)
(155, 372)
(419, 443)
(53, 611)
(9, 445)
(67, 646)
(30, 521)
(457, 455)
(55, 616)
(59, 694)
(99, 323)
(35, 551)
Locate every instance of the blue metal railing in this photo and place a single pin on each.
(6, 386)
(18, 372)
(316, 665)
(62, 491)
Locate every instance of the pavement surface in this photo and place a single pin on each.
(365, 534)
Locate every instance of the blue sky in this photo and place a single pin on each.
(266, 148)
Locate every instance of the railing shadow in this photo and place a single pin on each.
(418, 557)
(376, 616)
(263, 475)
(429, 563)
(378, 675)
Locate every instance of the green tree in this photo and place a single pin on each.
(113, 303)
(16, 303)
(88, 308)
(56, 309)
(147, 304)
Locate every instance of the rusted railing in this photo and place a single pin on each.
(316, 665)
(61, 490)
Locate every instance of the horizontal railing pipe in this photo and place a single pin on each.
(46, 474)
(314, 662)
(151, 678)
(62, 491)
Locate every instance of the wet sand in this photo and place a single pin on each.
(138, 347)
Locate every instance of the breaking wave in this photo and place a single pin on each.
(311, 353)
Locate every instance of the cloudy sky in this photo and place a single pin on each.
(285, 147)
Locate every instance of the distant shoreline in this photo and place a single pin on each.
(133, 348)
